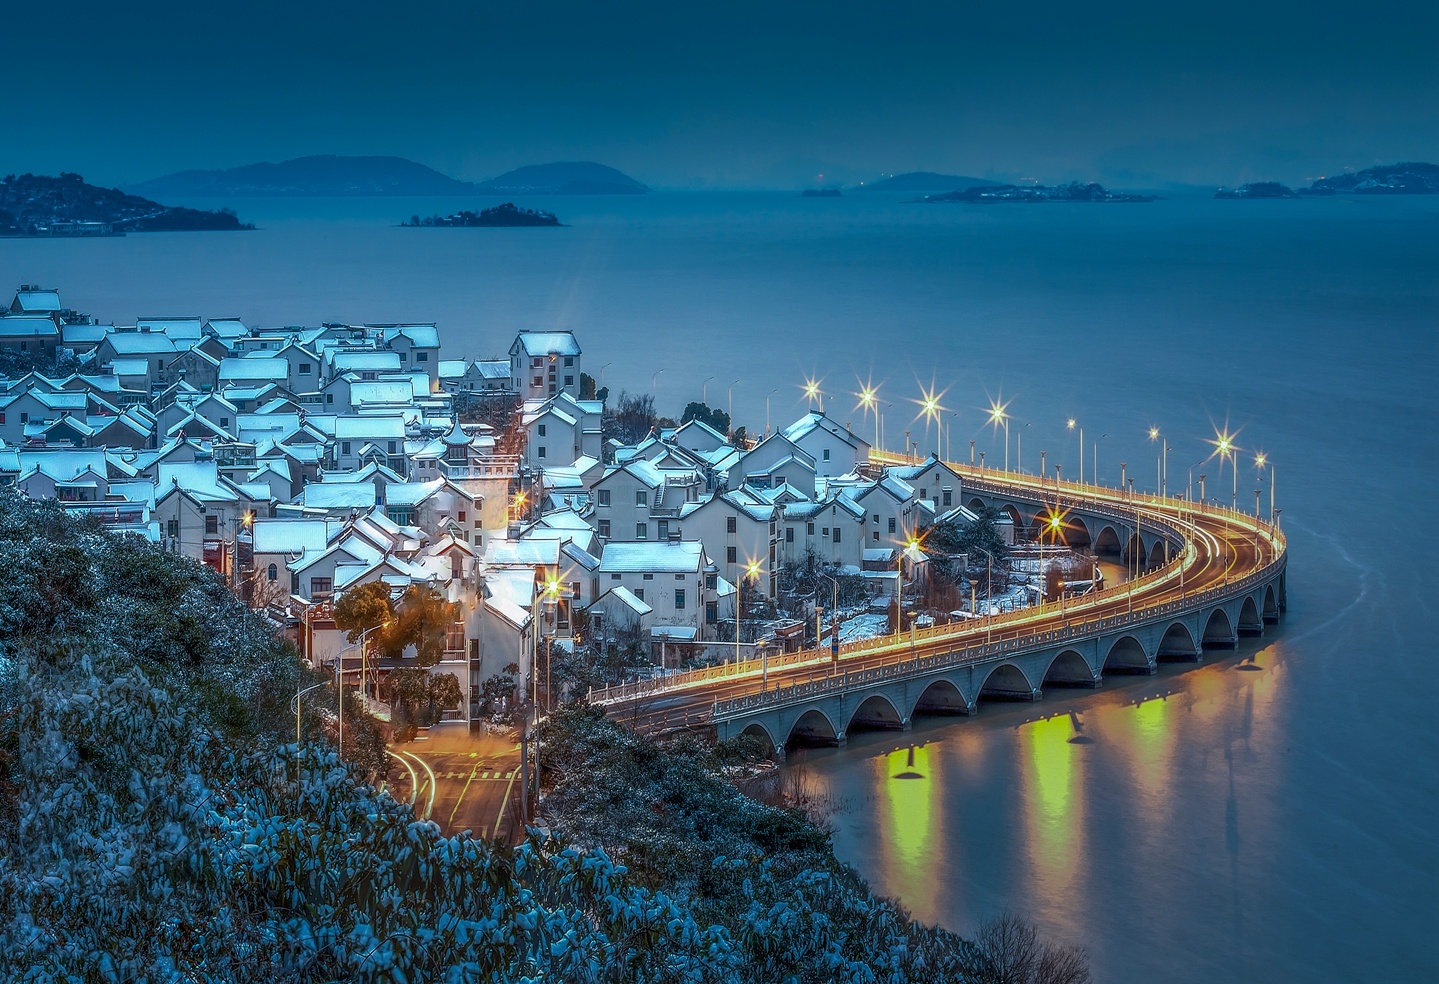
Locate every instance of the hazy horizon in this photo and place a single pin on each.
(742, 95)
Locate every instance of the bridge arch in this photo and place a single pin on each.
(976, 505)
(1250, 624)
(762, 733)
(942, 696)
(1158, 551)
(1006, 681)
(1075, 533)
(875, 712)
(1012, 511)
(1271, 605)
(1107, 543)
(1178, 643)
(1127, 655)
(1219, 631)
(1069, 669)
(814, 727)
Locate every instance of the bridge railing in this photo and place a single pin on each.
(1171, 516)
(839, 681)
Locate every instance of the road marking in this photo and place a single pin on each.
(414, 777)
(461, 798)
(504, 802)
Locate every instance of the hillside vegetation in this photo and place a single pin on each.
(159, 823)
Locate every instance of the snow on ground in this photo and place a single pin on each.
(868, 626)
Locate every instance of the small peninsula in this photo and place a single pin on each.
(506, 215)
(40, 205)
(1072, 192)
(1408, 178)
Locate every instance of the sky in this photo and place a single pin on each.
(739, 94)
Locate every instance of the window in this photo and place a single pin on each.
(306, 368)
(539, 381)
(569, 380)
(824, 532)
(650, 576)
(605, 528)
(542, 430)
(711, 612)
(172, 529)
(642, 498)
(540, 451)
(679, 599)
(729, 524)
(640, 593)
(574, 589)
(826, 454)
(809, 529)
(948, 497)
(2, 418)
(224, 421)
(876, 517)
(455, 637)
(24, 417)
(321, 587)
(663, 530)
(422, 357)
(614, 577)
(536, 362)
(789, 534)
(891, 524)
(679, 577)
(876, 536)
(460, 516)
(731, 555)
(642, 531)
(329, 397)
(569, 361)
(212, 525)
(344, 447)
(273, 573)
(392, 447)
(604, 497)
(404, 356)
(836, 534)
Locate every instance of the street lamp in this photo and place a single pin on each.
(295, 703)
(655, 387)
(1019, 449)
(766, 409)
(704, 391)
(868, 396)
(730, 411)
(833, 620)
(602, 373)
(997, 416)
(340, 681)
(1071, 424)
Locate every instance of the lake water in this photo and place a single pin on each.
(1220, 824)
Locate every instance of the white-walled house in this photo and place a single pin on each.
(740, 533)
(832, 530)
(670, 578)
(832, 446)
(544, 363)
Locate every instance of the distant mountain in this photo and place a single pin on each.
(1073, 192)
(1409, 178)
(39, 205)
(920, 181)
(321, 176)
(566, 178)
(1257, 189)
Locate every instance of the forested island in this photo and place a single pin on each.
(39, 205)
(508, 214)
(1410, 178)
(1072, 192)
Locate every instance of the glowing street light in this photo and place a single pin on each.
(997, 416)
(869, 403)
(813, 393)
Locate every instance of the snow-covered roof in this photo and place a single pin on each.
(28, 328)
(288, 536)
(671, 556)
(254, 370)
(534, 343)
(530, 552)
(420, 336)
(37, 300)
(627, 598)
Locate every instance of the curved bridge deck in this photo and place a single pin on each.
(1226, 578)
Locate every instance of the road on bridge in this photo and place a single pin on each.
(1223, 546)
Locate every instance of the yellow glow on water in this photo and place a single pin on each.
(1053, 803)
(909, 819)
(1151, 741)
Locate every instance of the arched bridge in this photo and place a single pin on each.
(1207, 575)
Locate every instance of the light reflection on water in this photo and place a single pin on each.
(1087, 795)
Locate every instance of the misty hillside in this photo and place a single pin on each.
(565, 178)
(1410, 178)
(325, 175)
(913, 181)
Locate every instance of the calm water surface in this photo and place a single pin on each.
(1218, 824)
